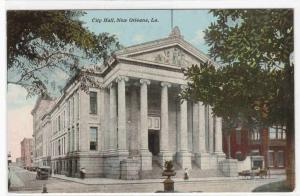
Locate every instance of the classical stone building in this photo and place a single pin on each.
(42, 132)
(135, 121)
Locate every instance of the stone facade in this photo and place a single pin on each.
(136, 118)
(42, 132)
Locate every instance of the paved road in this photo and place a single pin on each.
(25, 181)
(55, 185)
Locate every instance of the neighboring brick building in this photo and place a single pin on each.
(266, 146)
(26, 152)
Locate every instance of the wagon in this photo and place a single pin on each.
(43, 173)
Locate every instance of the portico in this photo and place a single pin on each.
(172, 126)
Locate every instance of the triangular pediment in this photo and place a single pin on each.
(175, 56)
(172, 51)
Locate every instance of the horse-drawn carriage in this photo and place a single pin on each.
(262, 173)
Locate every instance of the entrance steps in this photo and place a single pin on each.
(196, 172)
(155, 173)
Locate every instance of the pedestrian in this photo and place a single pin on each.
(9, 177)
(82, 173)
(186, 175)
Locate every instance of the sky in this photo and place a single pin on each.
(190, 22)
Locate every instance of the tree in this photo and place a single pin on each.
(254, 82)
(41, 44)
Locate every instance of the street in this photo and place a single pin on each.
(24, 181)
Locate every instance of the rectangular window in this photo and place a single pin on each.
(255, 134)
(77, 106)
(73, 139)
(59, 124)
(93, 102)
(73, 108)
(271, 158)
(69, 113)
(65, 146)
(93, 138)
(69, 140)
(281, 133)
(272, 133)
(64, 118)
(280, 159)
(238, 136)
(59, 147)
(77, 141)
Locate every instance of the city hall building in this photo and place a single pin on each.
(135, 122)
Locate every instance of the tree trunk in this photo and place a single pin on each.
(290, 132)
(290, 158)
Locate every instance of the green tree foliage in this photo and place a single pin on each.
(41, 44)
(254, 82)
(237, 93)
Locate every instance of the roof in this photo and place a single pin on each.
(37, 103)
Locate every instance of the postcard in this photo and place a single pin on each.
(150, 100)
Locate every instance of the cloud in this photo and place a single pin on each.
(16, 97)
(117, 34)
(138, 38)
(199, 37)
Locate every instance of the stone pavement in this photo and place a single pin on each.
(107, 181)
(213, 184)
(63, 184)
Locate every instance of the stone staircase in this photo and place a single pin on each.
(155, 173)
(196, 172)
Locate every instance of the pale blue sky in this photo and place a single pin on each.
(190, 22)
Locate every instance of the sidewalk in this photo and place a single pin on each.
(107, 181)
(15, 180)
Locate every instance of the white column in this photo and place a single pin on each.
(164, 128)
(184, 155)
(122, 137)
(144, 114)
(183, 126)
(219, 147)
(112, 117)
(195, 134)
(211, 130)
(146, 156)
(202, 158)
(201, 121)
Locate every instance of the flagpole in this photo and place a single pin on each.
(171, 19)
